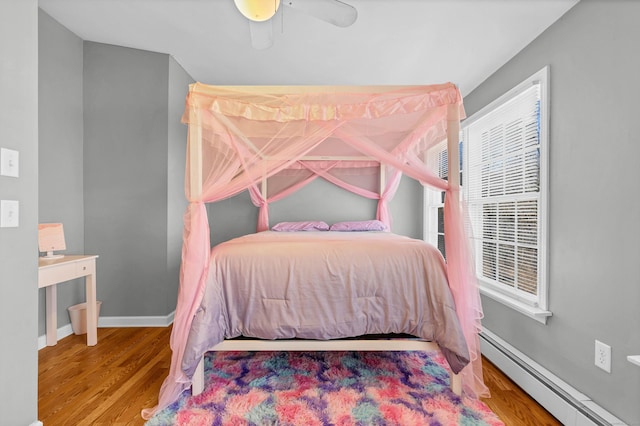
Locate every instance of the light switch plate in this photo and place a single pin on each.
(9, 162)
(9, 213)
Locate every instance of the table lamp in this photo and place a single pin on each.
(50, 239)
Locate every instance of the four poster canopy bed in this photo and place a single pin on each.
(310, 290)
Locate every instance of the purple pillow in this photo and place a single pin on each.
(359, 225)
(301, 226)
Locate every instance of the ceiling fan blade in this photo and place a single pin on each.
(333, 11)
(261, 34)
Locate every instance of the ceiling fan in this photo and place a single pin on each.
(260, 14)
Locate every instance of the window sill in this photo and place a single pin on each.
(537, 314)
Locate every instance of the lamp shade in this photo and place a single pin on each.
(258, 10)
(51, 238)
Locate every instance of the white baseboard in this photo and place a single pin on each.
(564, 402)
(36, 423)
(104, 322)
(63, 332)
(157, 321)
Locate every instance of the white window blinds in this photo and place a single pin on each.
(503, 189)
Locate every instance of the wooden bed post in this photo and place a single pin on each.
(263, 189)
(195, 158)
(453, 158)
(453, 141)
(197, 382)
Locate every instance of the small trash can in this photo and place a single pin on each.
(78, 315)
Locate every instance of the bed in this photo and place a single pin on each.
(326, 285)
(273, 140)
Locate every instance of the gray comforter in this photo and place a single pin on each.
(326, 285)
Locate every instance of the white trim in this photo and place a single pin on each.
(564, 402)
(36, 423)
(431, 203)
(545, 147)
(537, 314)
(107, 322)
(542, 74)
(62, 332)
(154, 321)
(634, 359)
(538, 310)
(326, 345)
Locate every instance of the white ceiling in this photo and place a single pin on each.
(392, 42)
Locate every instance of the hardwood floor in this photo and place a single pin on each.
(110, 383)
(107, 384)
(510, 402)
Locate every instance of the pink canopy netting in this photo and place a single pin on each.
(274, 140)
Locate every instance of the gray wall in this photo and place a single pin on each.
(117, 183)
(594, 204)
(18, 246)
(112, 157)
(319, 200)
(126, 167)
(179, 82)
(322, 200)
(60, 179)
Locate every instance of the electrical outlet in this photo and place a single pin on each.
(603, 356)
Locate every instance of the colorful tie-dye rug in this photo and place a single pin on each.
(325, 388)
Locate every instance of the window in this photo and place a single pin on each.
(505, 187)
(438, 162)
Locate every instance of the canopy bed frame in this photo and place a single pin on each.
(400, 344)
(274, 140)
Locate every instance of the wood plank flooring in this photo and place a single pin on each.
(110, 383)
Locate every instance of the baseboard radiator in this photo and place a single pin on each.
(564, 402)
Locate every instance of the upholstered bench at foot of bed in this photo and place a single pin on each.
(412, 344)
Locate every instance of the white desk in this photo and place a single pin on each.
(55, 271)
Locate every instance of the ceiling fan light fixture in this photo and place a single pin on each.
(258, 10)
